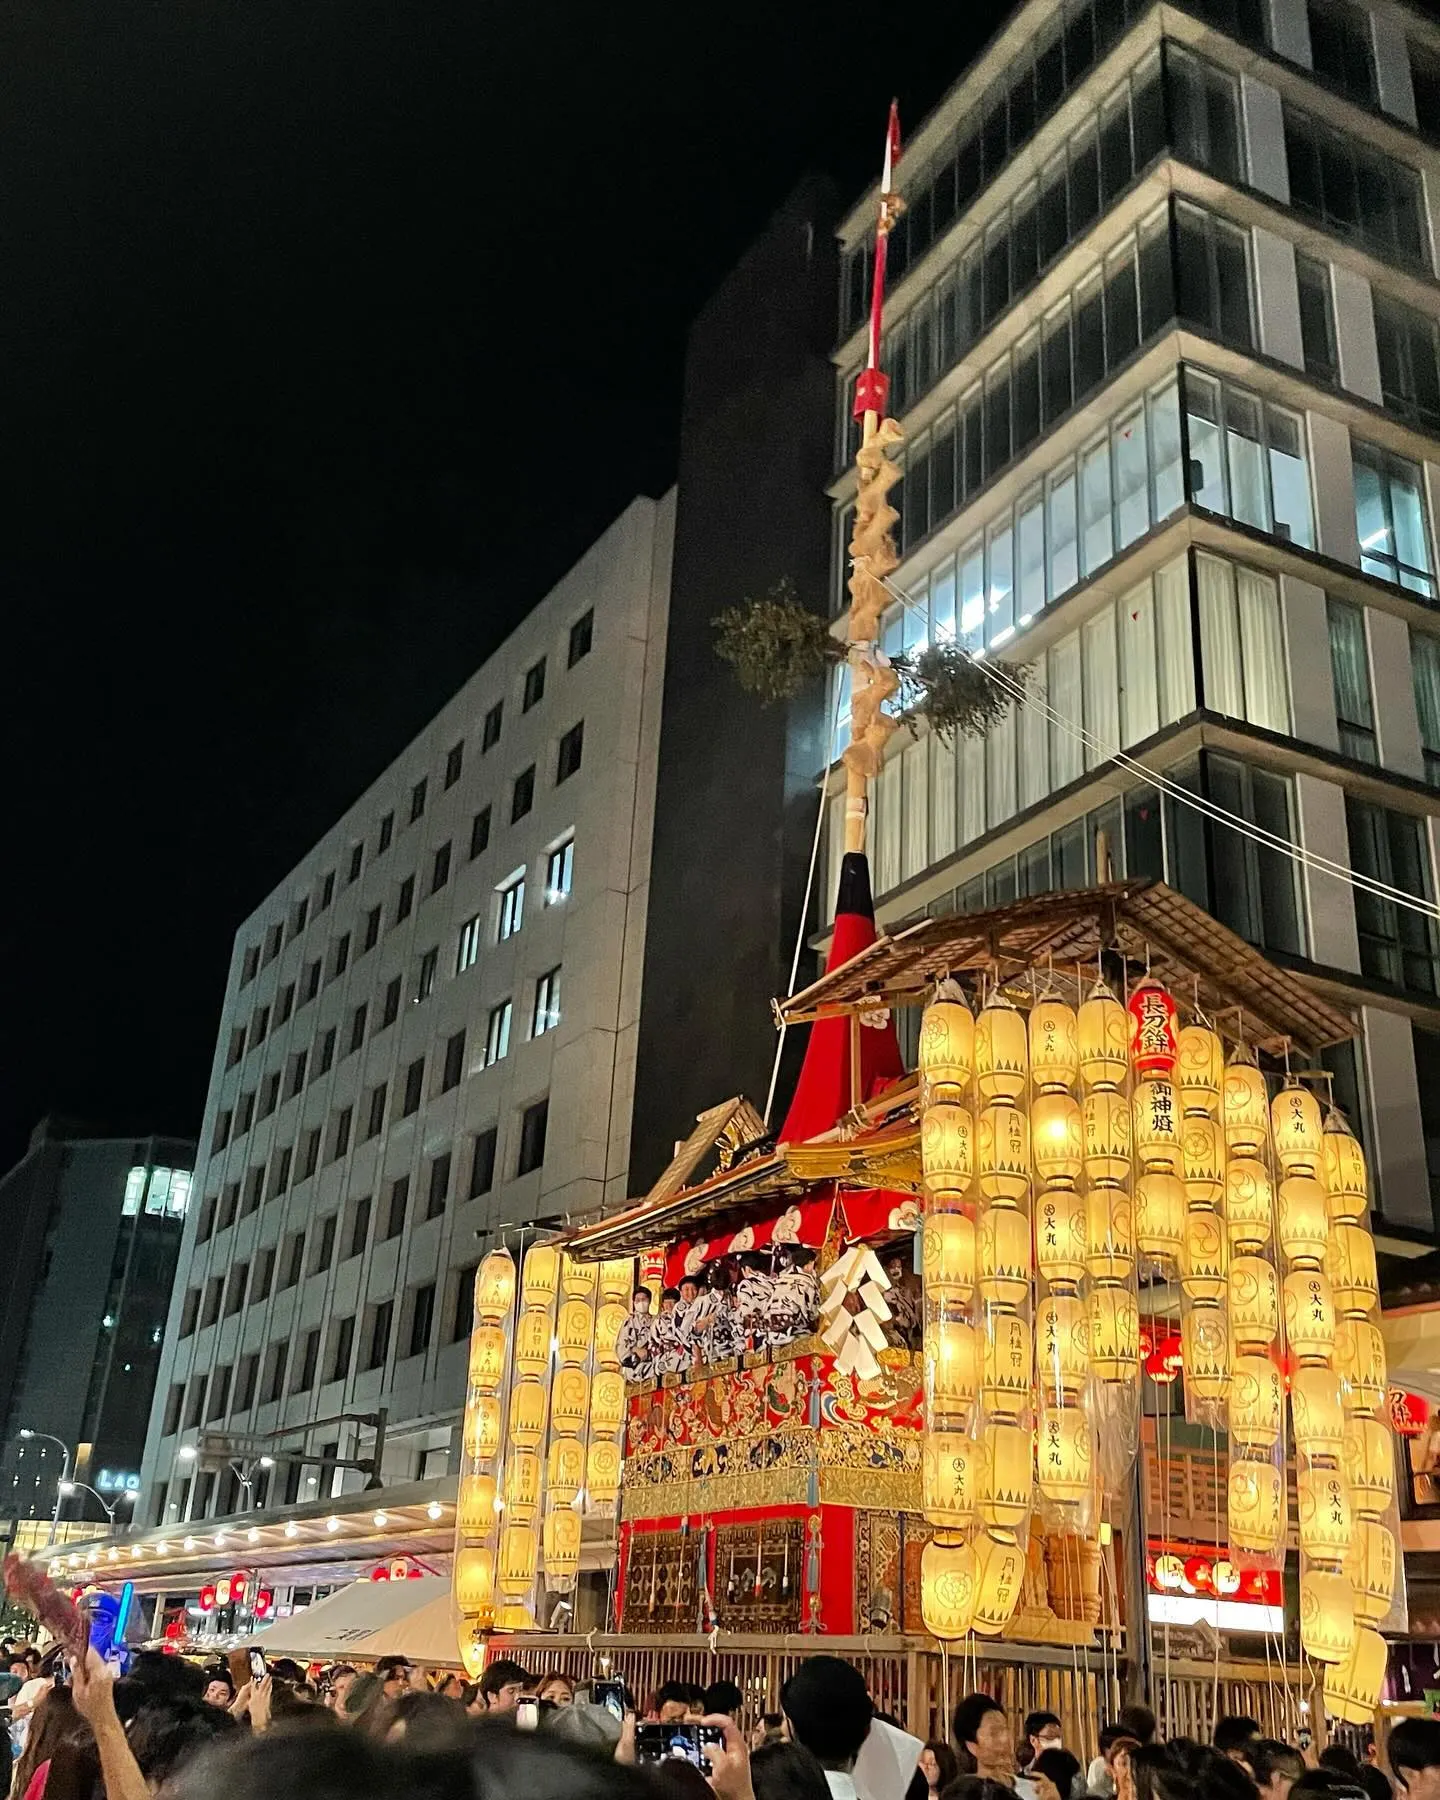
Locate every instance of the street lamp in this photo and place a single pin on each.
(67, 1488)
(50, 1438)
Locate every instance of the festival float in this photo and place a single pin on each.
(916, 1366)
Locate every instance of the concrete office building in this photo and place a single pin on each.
(428, 1035)
(1162, 328)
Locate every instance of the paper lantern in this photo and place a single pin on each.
(952, 1367)
(602, 1471)
(569, 1400)
(1204, 1258)
(608, 1322)
(513, 1615)
(1060, 1234)
(475, 1509)
(617, 1280)
(1062, 1344)
(947, 1586)
(531, 1352)
(472, 1659)
(1205, 1345)
(564, 1470)
(1254, 1294)
(1114, 1333)
(1202, 1159)
(1249, 1203)
(1200, 1069)
(1342, 1161)
(1225, 1577)
(999, 1581)
(947, 1477)
(1350, 1264)
(1360, 1364)
(1257, 1506)
(1054, 1044)
(1002, 1052)
(474, 1581)
(1154, 1040)
(947, 1151)
(1370, 1568)
(1109, 1234)
(1257, 1401)
(562, 1544)
(1157, 1125)
(1063, 1458)
(1056, 1137)
(1006, 1362)
(1316, 1412)
(573, 1327)
(1002, 1158)
(540, 1277)
(1159, 1214)
(1004, 1256)
(1327, 1615)
(1245, 1106)
(1369, 1456)
(1323, 1498)
(1352, 1688)
(494, 1286)
(1004, 1473)
(487, 1358)
(522, 1486)
(947, 1256)
(1107, 1135)
(1297, 1130)
(577, 1278)
(1103, 1027)
(481, 1429)
(1169, 1570)
(1302, 1220)
(519, 1553)
(947, 1049)
(527, 1414)
(607, 1401)
(1309, 1315)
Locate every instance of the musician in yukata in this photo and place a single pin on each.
(670, 1355)
(635, 1342)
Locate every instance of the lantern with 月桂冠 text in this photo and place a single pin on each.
(1370, 1567)
(999, 1580)
(1002, 1140)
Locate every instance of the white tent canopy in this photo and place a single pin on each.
(344, 1623)
(426, 1636)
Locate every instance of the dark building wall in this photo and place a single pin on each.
(736, 795)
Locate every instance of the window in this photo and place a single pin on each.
(247, 1370)
(422, 1318)
(387, 834)
(342, 1347)
(237, 1047)
(250, 966)
(1204, 114)
(245, 1113)
(327, 1051)
(497, 1033)
(425, 974)
(309, 1362)
(357, 1028)
(1247, 459)
(339, 956)
(1397, 944)
(438, 1188)
(546, 1014)
(210, 1311)
(294, 1260)
(274, 1384)
(219, 1394)
(454, 1062)
(359, 1227)
(1425, 80)
(190, 1311)
(1245, 884)
(221, 1136)
(534, 686)
(454, 763)
(323, 1252)
(264, 1275)
(417, 799)
(405, 899)
(1213, 275)
(582, 636)
(1340, 49)
(1317, 320)
(1355, 191)
(482, 1163)
(279, 1177)
(398, 1206)
(533, 1123)
(572, 745)
(269, 1093)
(175, 1400)
(480, 831)
(462, 1320)
(1425, 666)
(373, 921)
(230, 1196)
(512, 907)
(285, 1003)
(490, 730)
(378, 1347)
(327, 892)
(414, 1087)
(357, 862)
(1405, 342)
(1390, 519)
(260, 1024)
(1242, 644)
(522, 795)
(375, 1112)
(274, 938)
(467, 953)
(310, 983)
(559, 872)
(235, 1288)
(1350, 670)
(340, 1132)
(390, 1008)
(206, 1222)
(195, 1403)
(440, 869)
(310, 1153)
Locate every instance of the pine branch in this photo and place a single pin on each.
(956, 696)
(776, 645)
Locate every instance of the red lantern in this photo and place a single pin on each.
(1199, 1574)
(1408, 1413)
(380, 1572)
(1154, 1040)
(1147, 1342)
(1166, 1360)
(264, 1600)
(207, 1598)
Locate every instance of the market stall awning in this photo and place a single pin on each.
(340, 1625)
(426, 1635)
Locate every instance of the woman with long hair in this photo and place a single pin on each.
(935, 1769)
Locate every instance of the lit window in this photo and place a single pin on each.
(512, 908)
(1390, 519)
(497, 1033)
(468, 953)
(134, 1188)
(546, 1015)
(559, 871)
(179, 1201)
(157, 1195)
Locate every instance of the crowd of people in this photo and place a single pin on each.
(172, 1728)
(735, 1304)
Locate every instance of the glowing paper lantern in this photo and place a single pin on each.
(1316, 1412)
(952, 1367)
(1369, 1456)
(1157, 1125)
(1202, 1159)
(562, 1544)
(1352, 1688)
(481, 1430)
(1005, 1459)
(1159, 1214)
(541, 1275)
(513, 1615)
(573, 1327)
(569, 1399)
(1309, 1315)
(527, 1414)
(1006, 1362)
(947, 1151)
(602, 1471)
(1110, 1234)
(1295, 1123)
(1062, 1344)
(1002, 1051)
(607, 1400)
(522, 1486)
(1060, 1234)
(1003, 1153)
(1054, 1044)
(519, 1554)
(1206, 1348)
(1327, 1616)
(1114, 1333)
(1257, 1401)
(1204, 1258)
(475, 1581)
(1199, 1069)
(617, 1280)
(1063, 1461)
(1103, 1027)
(494, 1286)
(947, 1586)
(531, 1352)
(577, 1278)
(487, 1358)
(1169, 1570)
(1257, 1506)
(1347, 1185)
(947, 1477)
(608, 1321)
(1154, 1040)
(1370, 1567)
(475, 1509)
(1254, 1291)
(1056, 1137)
(564, 1470)
(1302, 1220)
(947, 1256)
(1360, 1363)
(1350, 1264)
(1249, 1203)
(1324, 1507)
(1004, 1256)
(947, 1048)
(1107, 1136)
(1245, 1106)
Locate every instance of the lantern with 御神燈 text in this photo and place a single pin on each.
(1107, 1135)
(1254, 1294)
(1205, 1345)
(1257, 1506)
(1156, 1136)
(1249, 1203)
(947, 1256)
(1063, 1458)
(1350, 1264)
(947, 1046)
(1005, 1461)
(1360, 1364)
(1324, 1509)
(1199, 1069)
(1103, 1030)
(1109, 1234)
(952, 1367)
(1352, 1688)
(1297, 1130)
(1327, 1615)
(1342, 1161)
(494, 1286)
(947, 1153)
(1302, 1220)
(1244, 1106)
(1060, 1234)
(1002, 1051)
(947, 1476)
(1154, 1039)
(1257, 1402)
(1054, 1044)
(1369, 1457)
(1315, 1410)
(947, 1586)
(1005, 1268)
(1309, 1315)
(1056, 1137)
(1204, 1259)
(1159, 1214)
(1002, 1141)
(1114, 1333)
(1370, 1566)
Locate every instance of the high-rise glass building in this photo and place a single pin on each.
(1164, 335)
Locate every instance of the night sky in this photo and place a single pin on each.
(330, 335)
